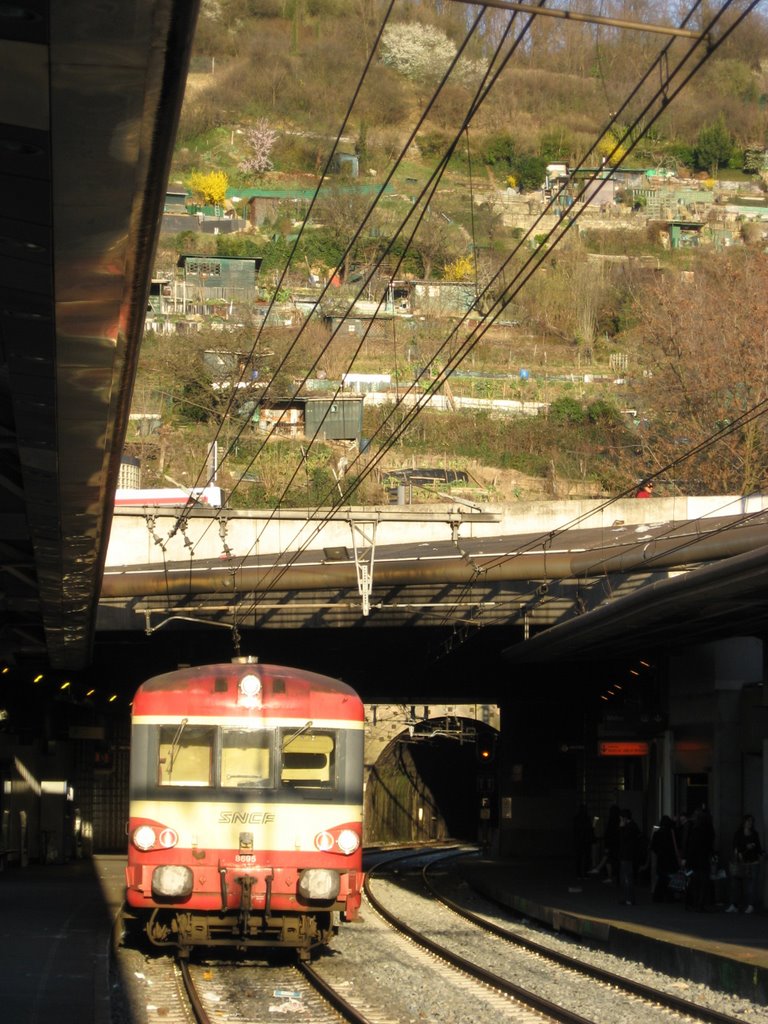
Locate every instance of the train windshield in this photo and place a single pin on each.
(308, 758)
(186, 755)
(245, 758)
(237, 758)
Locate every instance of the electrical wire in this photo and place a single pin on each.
(355, 238)
(666, 94)
(532, 263)
(506, 293)
(422, 204)
(535, 261)
(340, 133)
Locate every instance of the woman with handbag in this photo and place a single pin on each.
(745, 865)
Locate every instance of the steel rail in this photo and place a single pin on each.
(329, 993)
(190, 991)
(523, 995)
(341, 1006)
(636, 988)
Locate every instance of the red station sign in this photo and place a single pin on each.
(622, 748)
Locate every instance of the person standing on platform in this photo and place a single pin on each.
(610, 858)
(583, 841)
(745, 865)
(664, 847)
(697, 857)
(645, 490)
(630, 855)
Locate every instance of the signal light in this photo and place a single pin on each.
(485, 747)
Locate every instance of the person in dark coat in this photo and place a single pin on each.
(630, 855)
(745, 865)
(583, 840)
(610, 858)
(697, 857)
(664, 848)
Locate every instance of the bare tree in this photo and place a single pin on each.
(701, 351)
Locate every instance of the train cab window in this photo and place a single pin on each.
(245, 760)
(308, 759)
(185, 756)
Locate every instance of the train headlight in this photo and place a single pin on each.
(319, 884)
(144, 838)
(249, 691)
(348, 841)
(172, 881)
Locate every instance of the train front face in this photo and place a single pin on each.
(245, 822)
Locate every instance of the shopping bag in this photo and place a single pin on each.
(678, 881)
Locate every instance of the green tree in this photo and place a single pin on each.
(529, 171)
(499, 151)
(714, 146)
(567, 410)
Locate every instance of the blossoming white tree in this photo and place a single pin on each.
(260, 138)
(416, 51)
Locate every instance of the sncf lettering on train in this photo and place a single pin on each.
(245, 818)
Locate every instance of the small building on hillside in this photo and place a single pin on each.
(431, 298)
(215, 290)
(176, 199)
(375, 328)
(181, 214)
(327, 419)
(346, 164)
(680, 234)
(208, 283)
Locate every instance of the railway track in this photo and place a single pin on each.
(220, 993)
(415, 906)
(646, 992)
(446, 963)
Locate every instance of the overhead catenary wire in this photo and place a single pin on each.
(443, 376)
(394, 436)
(533, 262)
(428, 191)
(339, 135)
(350, 245)
(421, 204)
(665, 94)
(357, 234)
(481, 94)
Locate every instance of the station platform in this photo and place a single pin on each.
(56, 923)
(728, 952)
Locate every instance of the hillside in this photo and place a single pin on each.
(588, 328)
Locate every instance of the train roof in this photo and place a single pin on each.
(213, 691)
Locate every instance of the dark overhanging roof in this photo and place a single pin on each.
(725, 599)
(89, 101)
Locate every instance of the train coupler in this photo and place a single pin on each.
(244, 917)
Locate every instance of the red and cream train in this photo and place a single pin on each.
(245, 822)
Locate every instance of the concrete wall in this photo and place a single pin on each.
(133, 542)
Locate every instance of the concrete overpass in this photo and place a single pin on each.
(347, 593)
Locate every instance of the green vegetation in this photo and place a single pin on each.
(267, 94)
